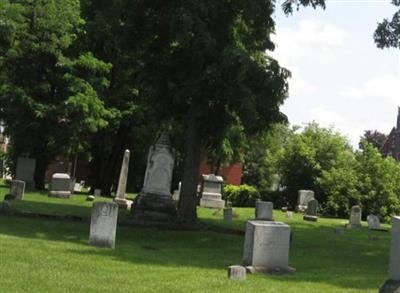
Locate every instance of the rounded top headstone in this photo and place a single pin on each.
(61, 176)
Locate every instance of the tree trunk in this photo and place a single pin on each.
(188, 198)
(40, 172)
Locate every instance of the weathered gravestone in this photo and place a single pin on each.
(237, 273)
(304, 196)
(60, 185)
(103, 224)
(17, 189)
(392, 285)
(266, 247)
(228, 214)
(123, 176)
(264, 210)
(355, 218)
(97, 192)
(154, 202)
(311, 211)
(373, 222)
(211, 196)
(26, 170)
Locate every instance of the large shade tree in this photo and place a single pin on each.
(48, 91)
(205, 65)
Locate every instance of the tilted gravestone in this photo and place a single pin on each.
(26, 170)
(60, 185)
(154, 203)
(304, 196)
(211, 196)
(103, 224)
(355, 217)
(373, 222)
(123, 177)
(311, 211)
(264, 210)
(392, 285)
(266, 247)
(17, 189)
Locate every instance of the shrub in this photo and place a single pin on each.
(241, 196)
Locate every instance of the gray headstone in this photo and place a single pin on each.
(103, 224)
(123, 177)
(211, 196)
(392, 285)
(373, 222)
(17, 189)
(97, 192)
(355, 217)
(304, 196)
(289, 214)
(237, 273)
(266, 247)
(228, 215)
(264, 210)
(60, 185)
(311, 211)
(26, 170)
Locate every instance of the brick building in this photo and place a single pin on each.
(391, 147)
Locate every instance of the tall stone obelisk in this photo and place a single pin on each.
(123, 177)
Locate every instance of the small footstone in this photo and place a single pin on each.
(339, 231)
(237, 273)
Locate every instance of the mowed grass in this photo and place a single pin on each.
(38, 255)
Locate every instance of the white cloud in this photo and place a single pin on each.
(311, 37)
(386, 88)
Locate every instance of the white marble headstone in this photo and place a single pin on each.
(103, 224)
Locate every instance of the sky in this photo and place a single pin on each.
(339, 77)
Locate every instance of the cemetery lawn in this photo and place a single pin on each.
(39, 255)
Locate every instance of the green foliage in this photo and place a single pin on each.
(374, 137)
(241, 196)
(387, 34)
(49, 92)
(307, 155)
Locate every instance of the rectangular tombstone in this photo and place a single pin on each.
(211, 196)
(392, 285)
(97, 192)
(60, 185)
(228, 215)
(264, 210)
(266, 247)
(26, 170)
(311, 211)
(17, 189)
(103, 224)
(373, 222)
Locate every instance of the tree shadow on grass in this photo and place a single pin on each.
(348, 261)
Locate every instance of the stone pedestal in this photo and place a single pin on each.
(103, 224)
(264, 210)
(237, 273)
(17, 189)
(155, 203)
(266, 247)
(60, 186)
(211, 196)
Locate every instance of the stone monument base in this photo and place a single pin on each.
(213, 203)
(123, 203)
(153, 207)
(390, 286)
(310, 218)
(275, 271)
(59, 194)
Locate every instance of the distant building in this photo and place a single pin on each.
(391, 147)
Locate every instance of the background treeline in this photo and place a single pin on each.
(285, 160)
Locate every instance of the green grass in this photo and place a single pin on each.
(38, 255)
